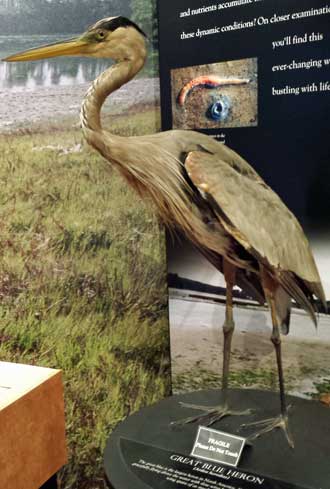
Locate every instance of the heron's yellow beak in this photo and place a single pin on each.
(71, 47)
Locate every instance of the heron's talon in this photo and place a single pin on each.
(211, 415)
(199, 407)
(269, 424)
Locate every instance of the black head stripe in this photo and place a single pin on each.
(116, 22)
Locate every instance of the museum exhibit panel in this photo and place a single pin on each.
(238, 175)
(247, 74)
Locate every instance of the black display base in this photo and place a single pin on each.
(148, 433)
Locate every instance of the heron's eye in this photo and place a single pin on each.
(100, 35)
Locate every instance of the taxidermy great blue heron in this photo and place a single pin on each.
(207, 191)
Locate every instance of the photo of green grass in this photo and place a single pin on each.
(82, 283)
(82, 259)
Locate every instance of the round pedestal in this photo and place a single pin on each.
(147, 438)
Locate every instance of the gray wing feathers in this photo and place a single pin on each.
(255, 216)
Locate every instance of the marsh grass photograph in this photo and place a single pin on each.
(82, 264)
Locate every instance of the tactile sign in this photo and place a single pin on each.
(218, 446)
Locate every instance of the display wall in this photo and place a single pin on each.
(82, 261)
(265, 92)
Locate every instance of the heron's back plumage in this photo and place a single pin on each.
(258, 219)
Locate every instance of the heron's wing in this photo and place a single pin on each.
(231, 158)
(258, 219)
(250, 283)
(181, 142)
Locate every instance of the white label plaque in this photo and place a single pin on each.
(218, 446)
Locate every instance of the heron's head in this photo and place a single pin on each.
(114, 37)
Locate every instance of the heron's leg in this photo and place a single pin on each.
(228, 327)
(281, 421)
(216, 413)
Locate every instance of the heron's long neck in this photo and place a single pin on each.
(102, 87)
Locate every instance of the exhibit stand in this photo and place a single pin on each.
(32, 429)
(254, 75)
(146, 452)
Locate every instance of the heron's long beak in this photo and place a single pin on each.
(71, 47)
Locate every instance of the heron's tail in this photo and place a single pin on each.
(300, 293)
(283, 309)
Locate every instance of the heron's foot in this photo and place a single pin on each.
(270, 424)
(211, 415)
